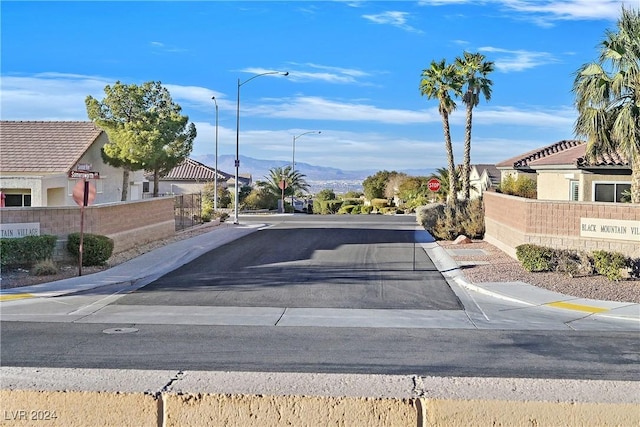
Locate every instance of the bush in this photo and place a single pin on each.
(346, 209)
(572, 263)
(26, 250)
(609, 264)
(326, 207)
(427, 215)
(470, 216)
(379, 204)
(522, 186)
(366, 210)
(535, 258)
(447, 223)
(96, 248)
(44, 268)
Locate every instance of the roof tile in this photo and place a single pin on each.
(30, 146)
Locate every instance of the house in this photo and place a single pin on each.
(563, 172)
(190, 177)
(38, 162)
(482, 177)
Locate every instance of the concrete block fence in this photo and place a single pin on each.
(127, 223)
(512, 221)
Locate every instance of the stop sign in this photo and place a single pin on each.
(79, 191)
(434, 184)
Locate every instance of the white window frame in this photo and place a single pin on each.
(574, 190)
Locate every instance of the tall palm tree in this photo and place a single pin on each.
(474, 70)
(439, 81)
(608, 97)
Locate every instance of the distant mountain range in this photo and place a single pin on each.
(319, 177)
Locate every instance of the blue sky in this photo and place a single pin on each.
(354, 71)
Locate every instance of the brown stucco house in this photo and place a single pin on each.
(38, 160)
(563, 172)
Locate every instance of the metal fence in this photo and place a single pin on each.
(188, 210)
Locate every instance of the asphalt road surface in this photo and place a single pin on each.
(342, 263)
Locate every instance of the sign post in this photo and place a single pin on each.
(84, 193)
(283, 184)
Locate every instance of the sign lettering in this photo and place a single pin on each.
(610, 229)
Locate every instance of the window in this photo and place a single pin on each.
(610, 191)
(17, 200)
(575, 191)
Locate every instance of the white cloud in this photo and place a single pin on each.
(394, 18)
(545, 12)
(518, 60)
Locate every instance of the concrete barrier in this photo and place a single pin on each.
(85, 397)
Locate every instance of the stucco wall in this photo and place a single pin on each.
(511, 221)
(127, 223)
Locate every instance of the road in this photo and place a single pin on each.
(341, 294)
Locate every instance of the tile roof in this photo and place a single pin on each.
(603, 160)
(565, 153)
(525, 160)
(191, 170)
(44, 146)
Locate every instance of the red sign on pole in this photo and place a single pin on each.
(434, 184)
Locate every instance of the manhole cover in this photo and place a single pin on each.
(120, 331)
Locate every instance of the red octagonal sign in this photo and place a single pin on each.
(434, 184)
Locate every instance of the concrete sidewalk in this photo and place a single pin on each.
(152, 265)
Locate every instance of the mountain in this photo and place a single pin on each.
(318, 177)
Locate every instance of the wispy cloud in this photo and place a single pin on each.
(393, 18)
(517, 60)
(159, 47)
(328, 74)
(55, 96)
(546, 12)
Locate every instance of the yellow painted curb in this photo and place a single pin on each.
(578, 307)
(10, 297)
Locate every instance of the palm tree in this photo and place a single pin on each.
(474, 70)
(608, 97)
(439, 81)
(294, 180)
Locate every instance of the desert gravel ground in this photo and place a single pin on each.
(501, 268)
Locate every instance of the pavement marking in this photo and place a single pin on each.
(10, 297)
(578, 307)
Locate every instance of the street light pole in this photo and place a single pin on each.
(215, 178)
(237, 163)
(293, 159)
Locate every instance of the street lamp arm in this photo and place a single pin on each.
(285, 73)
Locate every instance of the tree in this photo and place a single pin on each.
(374, 185)
(439, 81)
(473, 69)
(294, 179)
(145, 129)
(608, 97)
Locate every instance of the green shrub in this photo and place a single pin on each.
(26, 250)
(346, 209)
(366, 209)
(96, 249)
(609, 264)
(44, 268)
(535, 258)
(522, 186)
(326, 207)
(356, 210)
